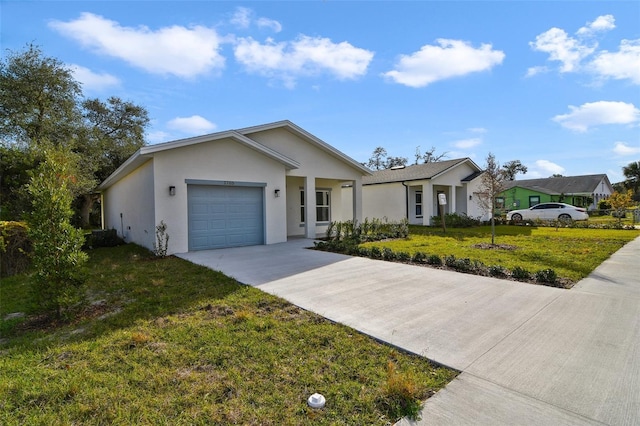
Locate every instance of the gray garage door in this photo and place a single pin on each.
(225, 216)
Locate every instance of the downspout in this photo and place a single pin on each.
(406, 198)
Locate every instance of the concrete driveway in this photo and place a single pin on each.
(528, 354)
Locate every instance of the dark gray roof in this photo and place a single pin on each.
(586, 184)
(415, 172)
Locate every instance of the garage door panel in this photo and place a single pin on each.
(221, 216)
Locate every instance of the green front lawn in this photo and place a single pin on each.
(572, 252)
(169, 342)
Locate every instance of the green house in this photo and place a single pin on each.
(580, 191)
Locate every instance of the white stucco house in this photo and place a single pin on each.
(412, 192)
(256, 185)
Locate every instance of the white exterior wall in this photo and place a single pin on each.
(221, 160)
(133, 197)
(384, 200)
(319, 167)
(473, 208)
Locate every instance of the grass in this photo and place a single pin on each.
(169, 342)
(571, 252)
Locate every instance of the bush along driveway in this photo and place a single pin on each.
(551, 256)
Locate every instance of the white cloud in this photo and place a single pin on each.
(450, 58)
(580, 53)
(91, 81)
(304, 56)
(270, 24)
(593, 114)
(602, 23)
(531, 71)
(477, 130)
(560, 47)
(549, 168)
(157, 136)
(623, 64)
(623, 149)
(467, 143)
(194, 125)
(175, 50)
(243, 17)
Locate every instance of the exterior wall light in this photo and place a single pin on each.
(172, 190)
(277, 193)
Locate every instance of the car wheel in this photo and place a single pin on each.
(517, 217)
(565, 218)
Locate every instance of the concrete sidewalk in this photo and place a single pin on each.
(528, 354)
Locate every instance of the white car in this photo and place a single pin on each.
(549, 211)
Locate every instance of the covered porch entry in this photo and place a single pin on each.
(314, 202)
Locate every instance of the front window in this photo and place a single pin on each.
(418, 204)
(323, 198)
(499, 202)
(323, 204)
(534, 200)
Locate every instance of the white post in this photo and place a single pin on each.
(310, 206)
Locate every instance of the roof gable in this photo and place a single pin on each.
(309, 138)
(417, 172)
(585, 184)
(241, 136)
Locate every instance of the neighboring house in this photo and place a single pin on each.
(257, 185)
(411, 192)
(581, 191)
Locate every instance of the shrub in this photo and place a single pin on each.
(455, 220)
(388, 254)
(419, 257)
(548, 276)
(463, 265)
(450, 261)
(103, 238)
(15, 248)
(57, 246)
(161, 245)
(434, 259)
(375, 253)
(403, 256)
(520, 274)
(497, 271)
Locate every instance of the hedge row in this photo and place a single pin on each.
(545, 276)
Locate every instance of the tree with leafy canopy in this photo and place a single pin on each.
(619, 201)
(511, 168)
(632, 174)
(491, 185)
(57, 246)
(378, 159)
(41, 107)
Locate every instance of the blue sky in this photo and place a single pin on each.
(555, 85)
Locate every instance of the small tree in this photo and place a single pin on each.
(57, 246)
(491, 185)
(620, 201)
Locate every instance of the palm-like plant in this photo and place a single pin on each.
(632, 173)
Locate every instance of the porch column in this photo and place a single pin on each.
(357, 200)
(452, 200)
(310, 206)
(427, 203)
